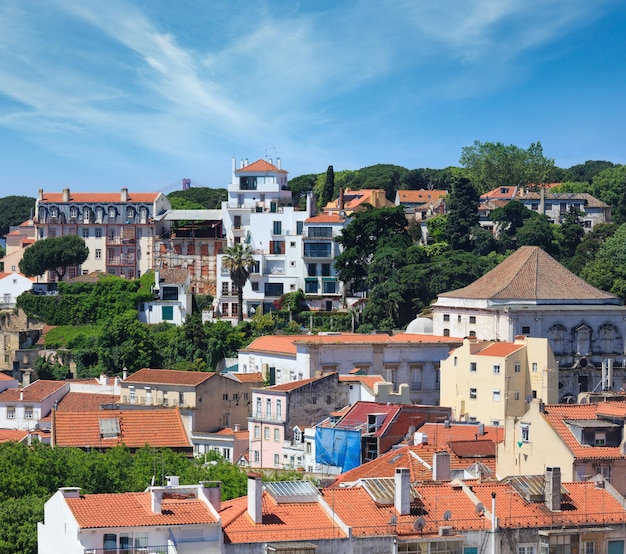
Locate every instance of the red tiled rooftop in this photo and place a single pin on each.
(13, 435)
(260, 166)
(281, 522)
(325, 218)
(168, 377)
(249, 377)
(5, 377)
(35, 392)
(421, 195)
(500, 349)
(134, 509)
(100, 197)
(440, 436)
(159, 427)
(292, 385)
(85, 401)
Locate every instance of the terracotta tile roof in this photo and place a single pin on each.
(287, 344)
(168, 377)
(35, 392)
(281, 522)
(612, 409)
(500, 349)
(440, 436)
(158, 427)
(248, 377)
(85, 401)
(556, 415)
(173, 276)
(368, 380)
(260, 166)
(134, 509)
(293, 385)
(530, 274)
(100, 197)
(13, 435)
(473, 449)
(500, 193)
(5, 377)
(357, 416)
(421, 195)
(326, 218)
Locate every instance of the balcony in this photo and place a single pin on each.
(158, 549)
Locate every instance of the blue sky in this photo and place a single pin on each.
(97, 96)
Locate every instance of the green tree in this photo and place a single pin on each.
(536, 231)
(462, 215)
(609, 186)
(587, 171)
(607, 270)
(14, 210)
(510, 219)
(589, 246)
(570, 233)
(300, 187)
(329, 187)
(238, 261)
(367, 231)
(574, 187)
(205, 197)
(490, 165)
(53, 254)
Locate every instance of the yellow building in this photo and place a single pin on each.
(487, 381)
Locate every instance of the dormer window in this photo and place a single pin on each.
(73, 211)
(130, 212)
(297, 435)
(112, 212)
(600, 439)
(54, 211)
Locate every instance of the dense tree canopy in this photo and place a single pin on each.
(462, 215)
(14, 210)
(607, 270)
(490, 165)
(54, 254)
(204, 197)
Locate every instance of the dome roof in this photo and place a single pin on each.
(420, 326)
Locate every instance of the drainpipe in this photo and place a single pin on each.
(494, 523)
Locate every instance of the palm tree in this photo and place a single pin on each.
(238, 261)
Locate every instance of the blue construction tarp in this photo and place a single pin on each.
(338, 447)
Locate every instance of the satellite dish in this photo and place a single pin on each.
(447, 515)
(393, 520)
(480, 508)
(418, 524)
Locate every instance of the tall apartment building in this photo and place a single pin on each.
(293, 250)
(118, 228)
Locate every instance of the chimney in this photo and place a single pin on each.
(236, 427)
(172, 480)
(21, 394)
(420, 438)
(212, 491)
(124, 195)
(402, 492)
(552, 489)
(255, 497)
(446, 424)
(70, 492)
(441, 466)
(156, 497)
(278, 164)
(481, 429)
(40, 195)
(124, 374)
(66, 195)
(341, 203)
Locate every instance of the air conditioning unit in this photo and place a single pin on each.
(446, 531)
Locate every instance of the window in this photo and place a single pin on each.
(132, 395)
(455, 361)
(329, 287)
(256, 432)
(472, 333)
(325, 270)
(320, 232)
(109, 542)
(255, 286)
(273, 289)
(496, 395)
(268, 408)
(472, 366)
(266, 433)
(237, 222)
(112, 212)
(234, 309)
(85, 233)
(525, 431)
(279, 408)
(28, 412)
(525, 330)
(98, 233)
(317, 249)
(130, 212)
(600, 439)
(589, 547)
(225, 396)
(10, 412)
(311, 286)
(446, 317)
(299, 227)
(446, 332)
(496, 369)
(276, 459)
(277, 247)
(473, 394)
(167, 313)
(181, 398)
(534, 366)
(518, 367)
(169, 293)
(472, 319)
(98, 253)
(277, 228)
(526, 549)
(297, 435)
(276, 435)
(257, 457)
(258, 407)
(309, 448)
(605, 471)
(516, 395)
(225, 288)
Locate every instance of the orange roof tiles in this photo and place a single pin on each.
(158, 427)
(260, 166)
(530, 274)
(5, 377)
(367, 380)
(134, 509)
(281, 522)
(325, 218)
(440, 436)
(500, 349)
(35, 392)
(293, 385)
(557, 414)
(168, 377)
(100, 197)
(421, 195)
(249, 377)
(13, 435)
(85, 401)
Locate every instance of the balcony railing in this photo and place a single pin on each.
(158, 549)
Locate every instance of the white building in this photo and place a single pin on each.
(172, 298)
(292, 249)
(531, 294)
(24, 408)
(402, 358)
(11, 286)
(157, 520)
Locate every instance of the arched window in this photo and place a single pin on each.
(556, 337)
(583, 339)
